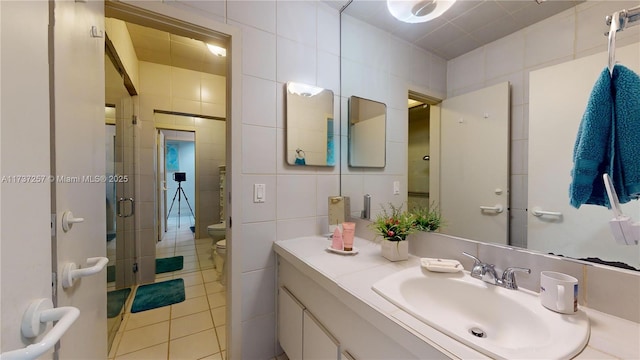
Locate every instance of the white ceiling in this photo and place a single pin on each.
(160, 47)
(467, 25)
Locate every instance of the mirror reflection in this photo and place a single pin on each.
(422, 58)
(367, 133)
(310, 125)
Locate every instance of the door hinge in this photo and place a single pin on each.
(53, 224)
(134, 119)
(135, 267)
(230, 222)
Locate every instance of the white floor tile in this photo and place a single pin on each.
(194, 346)
(144, 337)
(191, 324)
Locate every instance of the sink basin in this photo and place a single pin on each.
(501, 323)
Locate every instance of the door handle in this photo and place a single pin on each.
(536, 211)
(70, 272)
(119, 207)
(68, 220)
(39, 312)
(496, 209)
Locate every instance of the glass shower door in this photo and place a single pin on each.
(120, 203)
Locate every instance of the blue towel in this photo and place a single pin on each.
(608, 140)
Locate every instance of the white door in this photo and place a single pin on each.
(79, 164)
(554, 119)
(474, 164)
(25, 191)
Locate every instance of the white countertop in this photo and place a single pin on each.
(353, 275)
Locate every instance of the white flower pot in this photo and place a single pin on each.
(395, 250)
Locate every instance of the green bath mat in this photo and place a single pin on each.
(111, 273)
(116, 300)
(157, 295)
(169, 264)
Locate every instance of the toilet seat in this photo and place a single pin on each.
(221, 244)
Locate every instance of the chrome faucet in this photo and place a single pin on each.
(487, 273)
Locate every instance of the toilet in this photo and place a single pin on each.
(219, 245)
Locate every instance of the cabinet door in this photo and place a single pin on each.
(318, 344)
(290, 314)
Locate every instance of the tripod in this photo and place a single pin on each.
(179, 193)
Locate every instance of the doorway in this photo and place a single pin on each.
(168, 101)
(422, 151)
(418, 155)
(179, 171)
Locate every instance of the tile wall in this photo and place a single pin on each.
(379, 66)
(281, 41)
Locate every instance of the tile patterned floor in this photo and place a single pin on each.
(192, 329)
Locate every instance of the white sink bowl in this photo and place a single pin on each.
(514, 323)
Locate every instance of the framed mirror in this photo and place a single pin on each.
(310, 126)
(367, 133)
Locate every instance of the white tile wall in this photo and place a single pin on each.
(258, 149)
(259, 107)
(259, 52)
(296, 196)
(295, 62)
(259, 337)
(259, 14)
(371, 72)
(297, 21)
(257, 249)
(258, 288)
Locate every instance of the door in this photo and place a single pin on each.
(25, 190)
(474, 164)
(317, 343)
(554, 119)
(79, 93)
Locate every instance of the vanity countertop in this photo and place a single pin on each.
(350, 277)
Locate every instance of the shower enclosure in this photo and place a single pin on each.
(120, 186)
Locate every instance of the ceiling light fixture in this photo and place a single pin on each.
(417, 11)
(217, 50)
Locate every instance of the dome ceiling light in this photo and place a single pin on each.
(417, 11)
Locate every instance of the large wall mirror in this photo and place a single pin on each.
(367, 133)
(310, 125)
(435, 65)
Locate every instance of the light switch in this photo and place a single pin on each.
(259, 193)
(396, 188)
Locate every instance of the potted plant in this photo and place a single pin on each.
(427, 218)
(393, 226)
